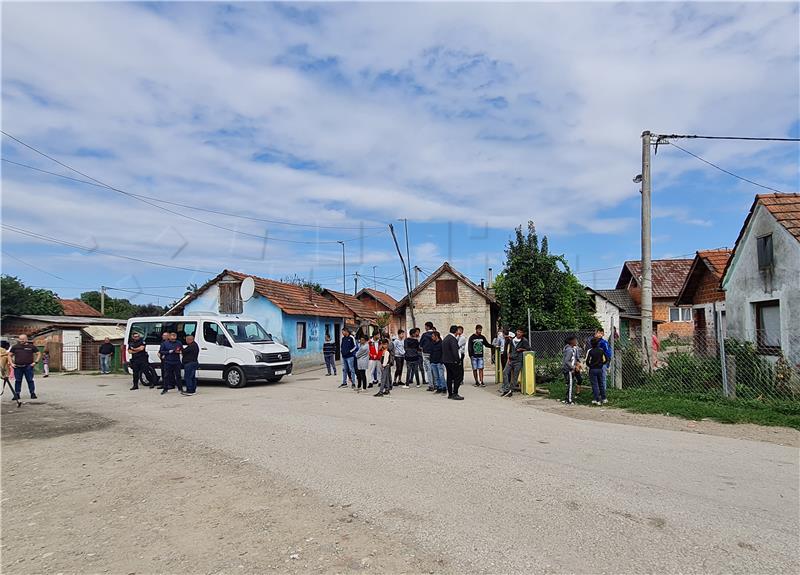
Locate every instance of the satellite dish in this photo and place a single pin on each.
(247, 289)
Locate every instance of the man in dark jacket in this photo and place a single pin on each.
(425, 344)
(516, 348)
(348, 349)
(451, 357)
(189, 357)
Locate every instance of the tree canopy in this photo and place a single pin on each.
(303, 282)
(536, 279)
(18, 299)
(121, 308)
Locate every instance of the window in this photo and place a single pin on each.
(768, 327)
(244, 331)
(301, 335)
(211, 331)
(764, 249)
(680, 314)
(150, 331)
(230, 300)
(446, 291)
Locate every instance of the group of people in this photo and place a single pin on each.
(429, 359)
(437, 362)
(174, 355)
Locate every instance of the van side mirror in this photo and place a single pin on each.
(222, 340)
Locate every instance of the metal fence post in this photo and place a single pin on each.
(722, 357)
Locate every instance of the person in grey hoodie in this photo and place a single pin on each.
(516, 348)
(362, 364)
(569, 366)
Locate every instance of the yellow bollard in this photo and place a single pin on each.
(527, 376)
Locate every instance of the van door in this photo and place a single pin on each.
(212, 355)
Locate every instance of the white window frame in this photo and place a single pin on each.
(684, 314)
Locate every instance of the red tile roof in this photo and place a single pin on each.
(380, 296)
(76, 307)
(668, 276)
(291, 299)
(714, 261)
(785, 208)
(357, 307)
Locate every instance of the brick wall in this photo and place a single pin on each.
(471, 309)
(664, 330)
(708, 289)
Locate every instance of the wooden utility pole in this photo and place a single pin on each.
(647, 271)
(102, 300)
(344, 268)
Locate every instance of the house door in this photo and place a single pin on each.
(702, 338)
(70, 349)
(337, 339)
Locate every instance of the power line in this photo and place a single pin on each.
(208, 210)
(660, 137)
(173, 212)
(713, 165)
(13, 257)
(137, 292)
(97, 251)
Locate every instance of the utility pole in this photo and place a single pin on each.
(408, 254)
(405, 274)
(374, 280)
(647, 271)
(102, 300)
(416, 276)
(344, 268)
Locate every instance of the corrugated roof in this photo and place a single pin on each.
(668, 276)
(621, 298)
(78, 308)
(100, 332)
(380, 296)
(357, 307)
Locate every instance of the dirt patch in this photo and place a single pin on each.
(41, 420)
(778, 435)
(83, 495)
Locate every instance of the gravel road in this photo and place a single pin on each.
(238, 480)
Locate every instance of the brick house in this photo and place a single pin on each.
(668, 279)
(362, 317)
(448, 297)
(382, 303)
(703, 293)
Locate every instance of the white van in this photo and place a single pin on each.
(234, 349)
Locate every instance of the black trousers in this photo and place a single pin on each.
(361, 377)
(138, 368)
(398, 368)
(455, 373)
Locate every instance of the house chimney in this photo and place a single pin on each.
(483, 285)
(489, 283)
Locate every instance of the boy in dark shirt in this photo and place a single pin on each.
(475, 345)
(329, 353)
(437, 367)
(596, 360)
(412, 357)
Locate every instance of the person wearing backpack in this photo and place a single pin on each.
(596, 360)
(385, 368)
(475, 345)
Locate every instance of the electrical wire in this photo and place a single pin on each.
(20, 260)
(660, 137)
(208, 210)
(97, 251)
(713, 165)
(173, 212)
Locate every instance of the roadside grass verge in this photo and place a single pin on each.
(694, 406)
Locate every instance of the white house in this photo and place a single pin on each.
(762, 278)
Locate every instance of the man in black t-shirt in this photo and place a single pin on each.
(139, 360)
(189, 357)
(106, 353)
(23, 356)
(475, 345)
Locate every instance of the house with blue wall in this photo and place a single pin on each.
(296, 316)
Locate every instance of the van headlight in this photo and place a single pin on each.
(259, 357)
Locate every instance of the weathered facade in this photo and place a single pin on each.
(703, 292)
(762, 279)
(446, 298)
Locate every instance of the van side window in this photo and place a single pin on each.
(151, 331)
(210, 331)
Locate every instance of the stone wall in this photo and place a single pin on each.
(471, 309)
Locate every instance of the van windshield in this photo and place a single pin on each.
(246, 331)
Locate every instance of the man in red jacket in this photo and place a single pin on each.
(374, 358)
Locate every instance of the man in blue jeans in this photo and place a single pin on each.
(23, 356)
(348, 349)
(189, 356)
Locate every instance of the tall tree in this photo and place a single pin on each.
(18, 299)
(536, 279)
(301, 281)
(121, 308)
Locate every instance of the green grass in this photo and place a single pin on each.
(784, 413)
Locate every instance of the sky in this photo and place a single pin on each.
(309, 124)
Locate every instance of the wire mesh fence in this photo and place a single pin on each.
(698, 365)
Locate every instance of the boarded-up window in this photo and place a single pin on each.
(230, 301)
(446, 291)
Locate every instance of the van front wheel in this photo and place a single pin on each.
(235, 377)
